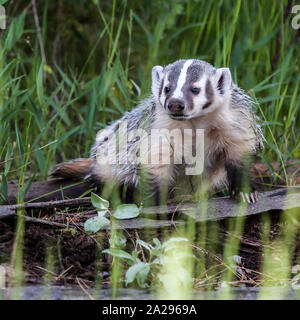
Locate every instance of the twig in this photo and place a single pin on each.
(53, 204)
(83, 289)
(47, 222)
(29, 152)
(138, 238)
(63, 273)
(46, 270)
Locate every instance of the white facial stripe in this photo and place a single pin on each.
(181, 80)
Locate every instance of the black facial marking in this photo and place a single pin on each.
(194, 72)
(206, 105)
(209, 92)
(167, 91)
(221, 84)
(174, 72)
(160, 88)
(188, 96)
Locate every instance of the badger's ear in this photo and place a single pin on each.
(157, 77)
(223, 80)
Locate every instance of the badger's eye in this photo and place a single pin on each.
(195, 90)
(167, 89)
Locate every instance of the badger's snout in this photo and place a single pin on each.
(176, 106)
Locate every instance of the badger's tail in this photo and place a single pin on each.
(73, 169)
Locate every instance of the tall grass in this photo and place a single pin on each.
(97, 65)
(65, 104)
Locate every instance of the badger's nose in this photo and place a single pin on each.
(176, 106)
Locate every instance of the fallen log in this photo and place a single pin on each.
(221, 208)
(41, 191)
(214, 209)
(53, 204)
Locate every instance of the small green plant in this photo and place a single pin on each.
(123, 211)
(145, 268)
(126, 211)
(72, 231)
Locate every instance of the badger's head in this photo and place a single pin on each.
(188, 89)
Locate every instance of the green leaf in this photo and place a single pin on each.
(181, 30)
(93, 225)
(67, 135)
(171, 242)
(27, 186)
(135, 254)
(39, 85)
(4, 187)
(119, 253)
(101, 213)
(99, 203)
(138, 271)
(157, 243)
(41, 160)
(19, 140)
(144, 244)
(157, 261)
(7, 160)
(156, 252)
(264, 40)
(126, 211)
(117, 240)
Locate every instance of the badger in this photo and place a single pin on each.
(188, 96)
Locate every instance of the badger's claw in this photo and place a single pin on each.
(251, 197)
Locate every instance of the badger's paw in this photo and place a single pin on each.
(246, 197)
(251, 197)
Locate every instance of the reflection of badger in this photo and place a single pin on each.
(187, 94)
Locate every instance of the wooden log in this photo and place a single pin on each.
(214, 209)
(138, 223)
(221, 208)
(41, 191)
(6, 211)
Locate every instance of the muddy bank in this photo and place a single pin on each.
(69, 256)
